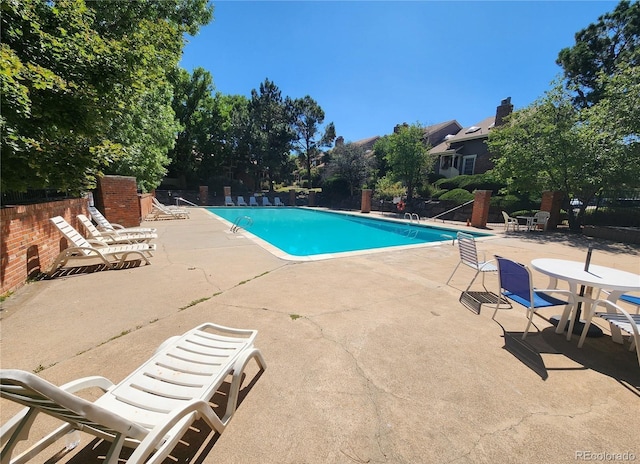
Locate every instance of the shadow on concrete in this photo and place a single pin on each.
(78, 270)
(575, 240)
(598, 354)
(193, 447)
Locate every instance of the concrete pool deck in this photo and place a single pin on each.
(370, 358)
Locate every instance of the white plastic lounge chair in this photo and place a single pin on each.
(104, 224)
(516, 284)
(266, 202)
(171, 207)
(241, 201)
(150, 410)
(111, 237)
(277, 201)
(540, 220)
(252, 201)
(161, 211)
(618, 319)
(228, 201)
(111, 255)
(469, 256)
(510, 222)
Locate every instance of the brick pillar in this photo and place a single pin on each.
(312, 198)
(204, 195)
(119, 200)
(227, 190)
(480, 212)
(365, 204)
(292, 197)
(552, 203)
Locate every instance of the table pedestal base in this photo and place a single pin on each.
(592, 332)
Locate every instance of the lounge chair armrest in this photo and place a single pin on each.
(102, 383)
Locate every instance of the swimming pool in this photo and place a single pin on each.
(302, 233)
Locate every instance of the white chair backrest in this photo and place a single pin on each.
(467, 248)
(99, 218)
(71, 234)
(91, 229)
(542, 216)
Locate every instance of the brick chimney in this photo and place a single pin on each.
(503, 111)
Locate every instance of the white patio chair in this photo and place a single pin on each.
(83, 249)
(150, 410)
(618, 319)
(241, 201)
(228, 201)
(277, 201)
(111, 238)
(252, 201)
(104, 224)
(510, 222)
(266, 202)
(540, 220)
(469, 257)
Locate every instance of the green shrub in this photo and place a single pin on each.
(612, 216)
(510, 203)
(470, 183)
(458, 195)
(386, 189)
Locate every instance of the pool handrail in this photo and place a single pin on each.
(450, 210)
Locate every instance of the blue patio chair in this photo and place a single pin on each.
(516, 284)
(632, 300)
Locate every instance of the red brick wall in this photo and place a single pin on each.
(117, 199)
(481, 204)
(29, 243)
(146, 204)
(552, 203)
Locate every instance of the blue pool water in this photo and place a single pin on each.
(305, 232)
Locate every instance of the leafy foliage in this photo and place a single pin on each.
(308, 116)
(407, 155)
(601, 49)
(81, 84)
(351, 163)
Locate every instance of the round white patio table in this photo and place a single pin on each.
(615, 281)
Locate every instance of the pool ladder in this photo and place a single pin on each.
(412, 216)
(237, 224)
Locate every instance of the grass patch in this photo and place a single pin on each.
(294, 316)
(40, 367)
(5, 295)
(195, 302)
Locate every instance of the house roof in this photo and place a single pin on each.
(477, 131)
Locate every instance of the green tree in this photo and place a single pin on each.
(223, 143)
(351, 163)
(551, 145)
(192, 104)
(308, 117)
(601, 48)
(270, 132)
(407, 155)
(75, 91)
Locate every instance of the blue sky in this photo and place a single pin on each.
(372, 65)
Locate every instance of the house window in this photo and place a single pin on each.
(468, 164)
